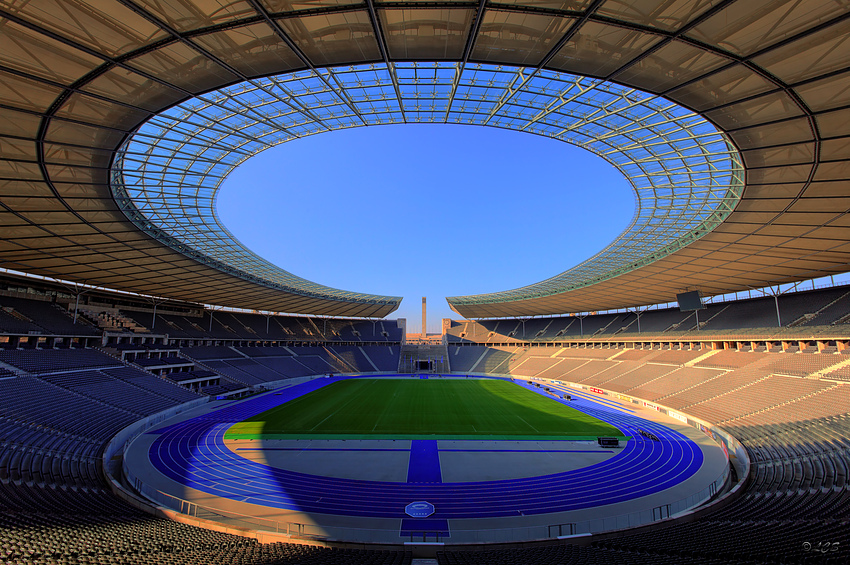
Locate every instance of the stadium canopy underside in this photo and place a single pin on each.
(79, 79)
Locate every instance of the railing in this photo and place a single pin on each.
(122, 439)
(303, 530)
(309, 531)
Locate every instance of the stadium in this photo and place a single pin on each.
(169, 396)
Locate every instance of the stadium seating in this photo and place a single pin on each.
(679, 379)
(211, 352)
(631, 374)
(798, 493)
(385, 358)
(238, 326)
(800, 468)
(58, 407)
(49, 361)
(22, 315)
(795, 430)
(533, 365)
(152, 384)
(463, 359)
(804, 314)
(728, 359)
(256, 365)
(58, 412)
(39, 525)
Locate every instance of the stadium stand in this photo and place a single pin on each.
(808, 313)
(840, 372)
(22, 315)
(531, 365)
(631, 374)
(790, 410)
(94, 527)
(257, 365)
(152, 384)
(728, 359)
(593, 370)
(256, 352)
(586, 353)
(53, 360)
(678, 379)
(798, 492)
(676, 357)
(637, 355)
(563, 367)
(463, 359)
(13, 322)
(212, 352)
(785, 398)
(386, 359)
(240, 327)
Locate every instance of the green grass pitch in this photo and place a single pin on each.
(422, 408)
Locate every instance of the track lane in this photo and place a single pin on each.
(193, 453)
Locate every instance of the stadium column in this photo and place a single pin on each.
(424, 332)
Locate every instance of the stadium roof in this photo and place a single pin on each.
(78, 80)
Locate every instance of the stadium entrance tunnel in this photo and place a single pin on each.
(687, 176)
(484, 489)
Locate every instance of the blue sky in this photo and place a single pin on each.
(425, 210)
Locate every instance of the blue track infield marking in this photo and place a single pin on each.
(194, 454)
(424, 464)
(441, 450)
(526, 450)
(318, 449)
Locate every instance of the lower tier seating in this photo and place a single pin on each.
(798, 493)
(45, 526)
(56, 508)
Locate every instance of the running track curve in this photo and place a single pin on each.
(193, 454)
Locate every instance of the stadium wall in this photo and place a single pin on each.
(119, 442)
(719, 488)
(735, 451)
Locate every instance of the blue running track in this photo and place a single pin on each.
(193, 453)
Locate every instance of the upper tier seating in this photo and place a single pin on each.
(55, 360)
(257, 365)
(211, 352)
(21, 315)
(257, 327)
(802, 314)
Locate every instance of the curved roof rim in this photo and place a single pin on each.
(686, 175)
